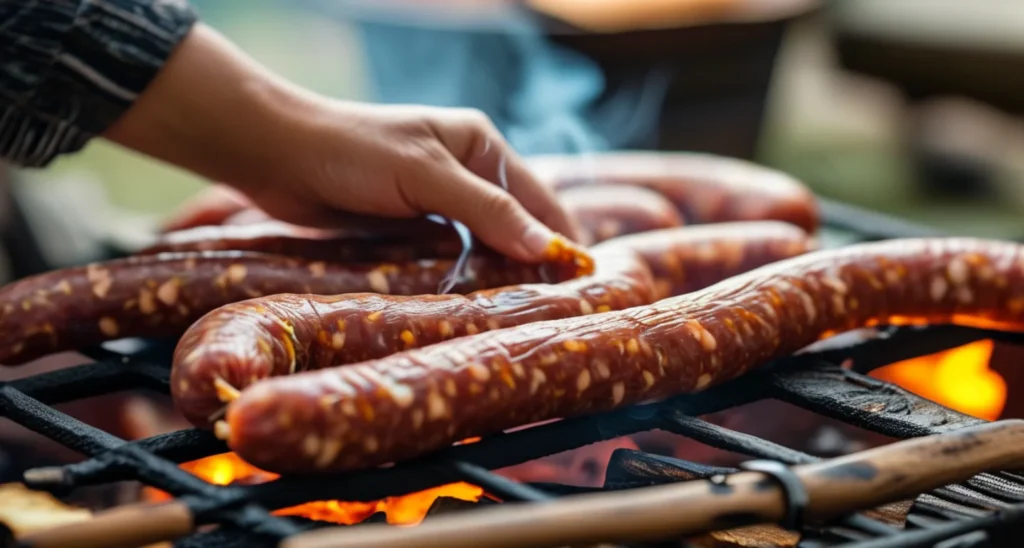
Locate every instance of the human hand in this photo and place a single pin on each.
(309, 160)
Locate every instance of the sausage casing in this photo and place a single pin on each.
(604, 212)
(419, 401)
(429, 241)
(686, 260)
(705, 188)
(161, 295)
(240, 344)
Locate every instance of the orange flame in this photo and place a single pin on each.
(959, 379)
(408, 509)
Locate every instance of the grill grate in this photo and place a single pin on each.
(830, 381)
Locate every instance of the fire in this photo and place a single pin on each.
(410, 509)
(959, 379)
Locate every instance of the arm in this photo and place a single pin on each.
(145, 75)
(70, 68)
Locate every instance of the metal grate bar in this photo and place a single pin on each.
(866, 402)
(730, 440)
(803, 380)
(92, 379)
(498, 485)
(53, 424)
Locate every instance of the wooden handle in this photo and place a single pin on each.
(835, 487)
(125, 527)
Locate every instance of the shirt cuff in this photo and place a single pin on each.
(70, 68)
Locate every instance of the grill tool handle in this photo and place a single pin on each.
(834, 488)
(125, 527)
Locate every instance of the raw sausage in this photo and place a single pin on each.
(704, 188)
(419, 401)
(682, 261)
(603, 212)
(608, 211)
(240, 344)
(161, 295)
(427, 241)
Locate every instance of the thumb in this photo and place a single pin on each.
(491, 213)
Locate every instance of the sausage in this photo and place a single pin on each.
(161, 295)
(212, 206)
(604, 212)
(428, 241)
(419, 401)
(704, 188)
(241, 344)
(683, 261)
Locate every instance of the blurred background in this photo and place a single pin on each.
(910, 107)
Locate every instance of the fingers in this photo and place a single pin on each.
(212, 206)
(481, 148)
(492, 214)
(500, 165)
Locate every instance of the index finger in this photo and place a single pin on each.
(499, 164)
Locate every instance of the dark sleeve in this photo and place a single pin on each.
(70, 68)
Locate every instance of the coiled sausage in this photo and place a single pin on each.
(240, 344)
(162, 294)
(704, 188)
(427, 241)
(419, 401)
(604, 212)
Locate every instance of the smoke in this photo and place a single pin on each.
(545, 98)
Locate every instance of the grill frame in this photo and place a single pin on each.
(816, 381)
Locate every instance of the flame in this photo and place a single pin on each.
(410, 509)
(959, 379)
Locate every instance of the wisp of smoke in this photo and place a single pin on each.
(543, 97)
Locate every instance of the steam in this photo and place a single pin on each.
(544, 98)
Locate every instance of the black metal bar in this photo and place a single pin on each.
(938, 533)
(498, 485)
(53, 424)
(805, 380)
(868, 525)
(730, 440)
(92, 379)
(866, 402)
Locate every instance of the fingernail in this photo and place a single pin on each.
(537, 239)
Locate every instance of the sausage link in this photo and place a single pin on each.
(161, 295)
(429, 241)
(604, 212)
(687, 260)
(419, 401)
(704, 188)
(241, 344)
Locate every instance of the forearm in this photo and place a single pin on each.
(214, 111)
(70, 68)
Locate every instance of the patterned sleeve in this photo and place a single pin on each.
(70, 68)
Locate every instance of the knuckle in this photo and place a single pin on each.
(426, 152)
(499, 202)
(476, 118)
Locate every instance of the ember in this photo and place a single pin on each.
(959, 379)
(228, 468)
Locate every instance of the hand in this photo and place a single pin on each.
(309, 160)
